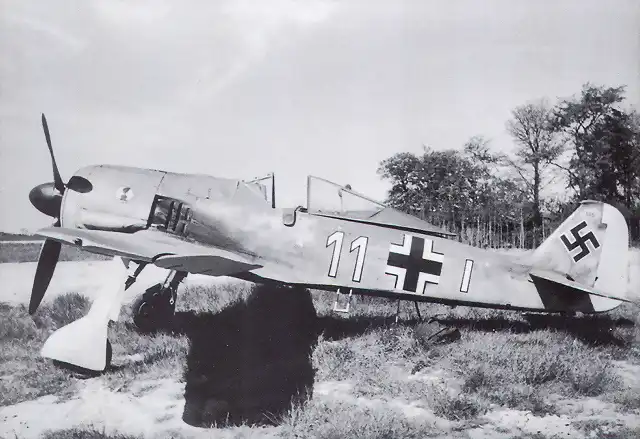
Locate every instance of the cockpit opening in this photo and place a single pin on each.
(329, 198)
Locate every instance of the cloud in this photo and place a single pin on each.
(256, 27)
(47, 30)
(230, 87)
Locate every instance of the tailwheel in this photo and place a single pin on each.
(154, 310)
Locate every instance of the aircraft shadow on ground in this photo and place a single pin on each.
(336, 328)
(597, 330)
(251, 361)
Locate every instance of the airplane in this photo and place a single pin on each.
(342, 241)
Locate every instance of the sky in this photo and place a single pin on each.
(242, 88)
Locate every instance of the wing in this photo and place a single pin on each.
(161, 249)
(212, 265)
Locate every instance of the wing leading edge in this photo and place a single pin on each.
(161, 249)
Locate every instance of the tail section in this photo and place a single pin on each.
(590, 248)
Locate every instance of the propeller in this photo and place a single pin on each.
(58, 184)
(46, 265)
(47, 198)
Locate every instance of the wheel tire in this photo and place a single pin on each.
(152, 312)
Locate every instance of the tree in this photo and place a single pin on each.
(537, 146)
(586, 123)
(438, 181)
(477, 148)
(603, 141)
(590, 138)
(457, 190)
(618, 173)
(401, 170)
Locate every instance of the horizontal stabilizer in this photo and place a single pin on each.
(561, 281)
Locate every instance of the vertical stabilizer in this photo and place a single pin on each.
(590, 247)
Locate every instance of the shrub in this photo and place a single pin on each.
(16, 324)
(528, 361)
(454, 405)
(63, 310)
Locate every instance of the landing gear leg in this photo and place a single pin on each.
(154, 310)
(418, 311)
(132, 279)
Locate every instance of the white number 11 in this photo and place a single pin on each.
(359, 243)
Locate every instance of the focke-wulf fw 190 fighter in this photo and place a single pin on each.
(341, 241)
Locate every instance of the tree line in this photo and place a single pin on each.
(583, 147)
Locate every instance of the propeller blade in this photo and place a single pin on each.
(44, 272)
(59, 184)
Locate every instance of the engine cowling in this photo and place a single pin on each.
(120, 199)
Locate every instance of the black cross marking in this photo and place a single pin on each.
(580, 241)
(414, 264)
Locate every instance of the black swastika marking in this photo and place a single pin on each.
(580, 241)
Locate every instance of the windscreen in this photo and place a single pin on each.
(330, 198)
(263, 188)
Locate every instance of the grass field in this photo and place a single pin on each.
(284, 368)
(372, 378)
(30, 251)
(16, 237)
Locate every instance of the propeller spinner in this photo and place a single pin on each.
(47, 198)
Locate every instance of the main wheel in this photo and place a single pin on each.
(153, 311)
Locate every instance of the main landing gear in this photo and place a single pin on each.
(154, 310)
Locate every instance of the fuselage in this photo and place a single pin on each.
(304, 247)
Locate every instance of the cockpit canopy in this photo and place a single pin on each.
(331, 199)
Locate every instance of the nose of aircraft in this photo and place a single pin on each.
(46, 198)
